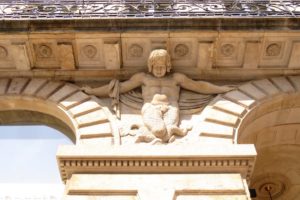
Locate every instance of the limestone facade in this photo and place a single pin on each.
(246, 138)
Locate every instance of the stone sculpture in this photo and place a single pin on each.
(160, 92)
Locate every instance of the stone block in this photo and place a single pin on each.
(252, 54)
(221, 117)
(7, 55)
(252, 91)
(17, 85)
(230, 52)
(48, 89)
(158, 186)
(295, 55)
(216, 130)
(3, 85)
(89, 52)
(266, 86)
(283, 84)
(66, 56)
(295, 80)
(21, 58)
(74, 99)
(33, 86)
(92, 118)
(63, 92)
(45, 52)
(228, 106)
(85, 107)
(95, 131)
(112, 56)
(240, 98)
(205, 54)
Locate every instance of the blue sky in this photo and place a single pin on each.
(27, 154)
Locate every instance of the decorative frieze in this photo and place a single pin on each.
(239, 54)
(155, 159)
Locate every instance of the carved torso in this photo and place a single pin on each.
(160, 90)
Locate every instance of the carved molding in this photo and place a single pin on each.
(181, 50)
(89, 51)
(135, 51)
(153, 159)
(273, 49)
(227, 49)
(43, 51)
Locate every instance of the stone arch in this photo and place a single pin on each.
(227, 115)
(83, 113)
(265, 113)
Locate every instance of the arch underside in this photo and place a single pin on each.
(27, 117)
(265, 113)
(64, 106)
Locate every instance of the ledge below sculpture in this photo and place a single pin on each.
(128, 163)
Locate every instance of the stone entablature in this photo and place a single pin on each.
(217, 55)
(156, 159)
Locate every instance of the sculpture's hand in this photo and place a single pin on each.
(87, 89)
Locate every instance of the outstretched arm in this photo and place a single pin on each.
(200, 86)
(103, 91)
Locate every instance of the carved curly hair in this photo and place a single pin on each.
(156, 55)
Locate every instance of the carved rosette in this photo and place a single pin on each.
(135, 51)
(89, 51)
(273, 49)
(44, 51)
(227, 50)
(3, 52)
(274, 184)
(181, 50)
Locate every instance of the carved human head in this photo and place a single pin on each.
(157, 58)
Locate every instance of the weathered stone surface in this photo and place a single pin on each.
(95, 131)
(295, 54)
(252, 91)
(216, 130)
(66, 56)
(48, 89)
(240, 98)
(3, 85)
(74, 99)
(85, 107)
(154, 186)
(221, 117)
(283, 84)
(33, 86)
(252, 52)
(62, 93)
(112, 56)
(228, 106)
(91, 118)
(17, 85)
(205, 55)
(21, 59)
(295, 80)
(266, 86)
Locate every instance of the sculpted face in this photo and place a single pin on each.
(159, 68)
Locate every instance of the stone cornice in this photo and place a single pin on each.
(156, 159)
